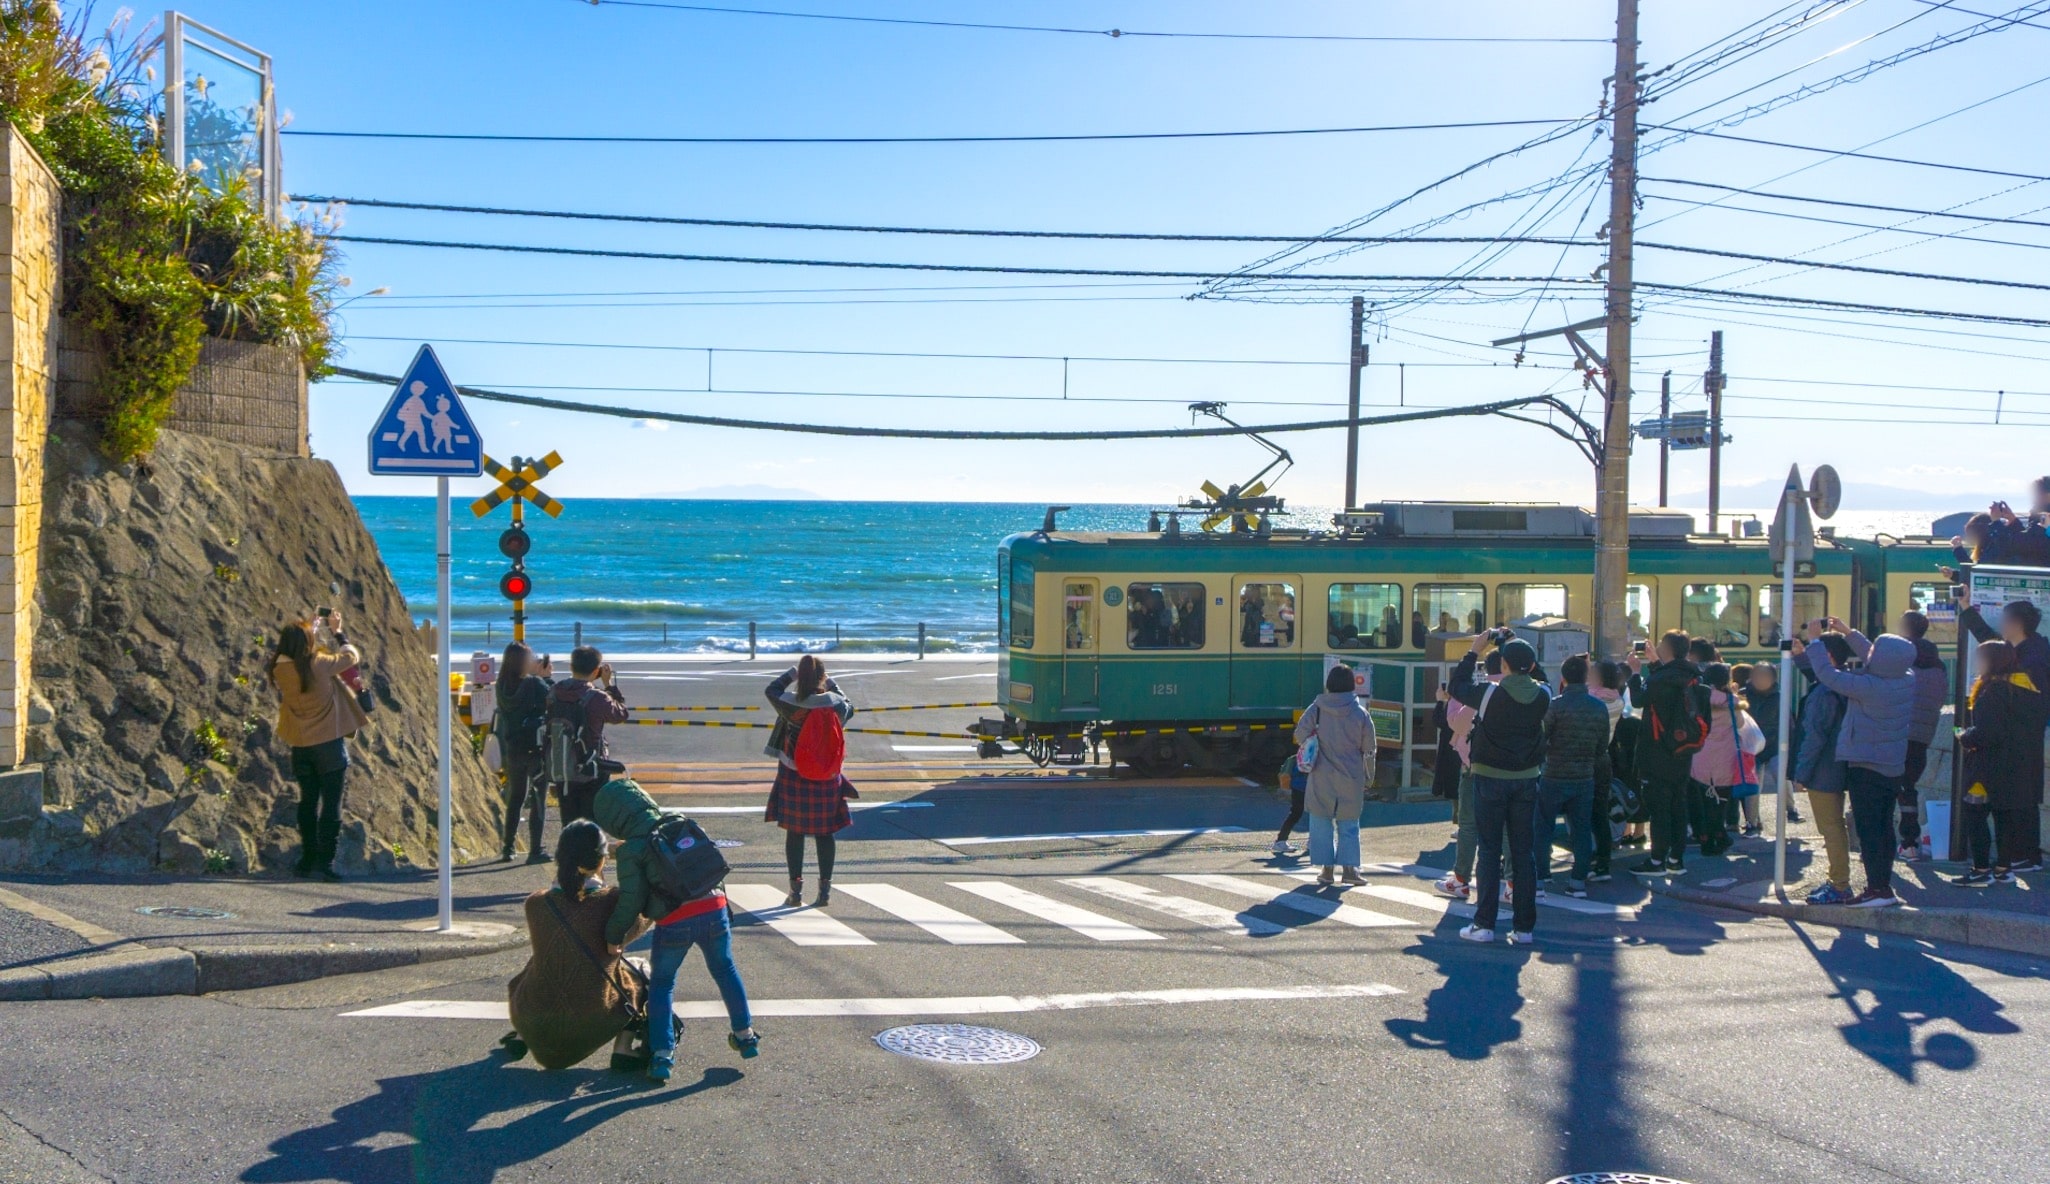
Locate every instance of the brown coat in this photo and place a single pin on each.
(562, 1005)
(325, 711)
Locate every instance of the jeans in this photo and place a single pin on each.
(1576, 800)
(1334, 841)
(1469, 830)
(320, 770)
(1665, 800)
(1510, 803)
(1872, 795)
(713, 933)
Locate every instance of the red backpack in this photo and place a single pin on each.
(821, 745)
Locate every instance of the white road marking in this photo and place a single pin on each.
(455, 1009)
(1592, 908)
(806, 927)
(1178, 906)
(958, 677)
(1091, 834)
(1298, 901)
(1082, 921)
(957, 928)
(933, 747)
(851, 806)
(1409, 896)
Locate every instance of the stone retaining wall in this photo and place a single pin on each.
(241, 393)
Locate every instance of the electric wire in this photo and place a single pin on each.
(1055, 138)
(1753, 191)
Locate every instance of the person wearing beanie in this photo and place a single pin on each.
(1508, 747)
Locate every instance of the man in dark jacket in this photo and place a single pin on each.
(1508, 748)
(1676, 721)
(1576, 746)
(2020, 624)
(1932, 686)
(580, 698)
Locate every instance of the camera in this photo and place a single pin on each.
(1501, 635)
(1637, 647)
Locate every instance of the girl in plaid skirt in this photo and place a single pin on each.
(798, 804)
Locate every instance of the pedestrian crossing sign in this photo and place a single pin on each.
(424, 431)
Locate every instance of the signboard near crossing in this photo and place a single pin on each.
(424, 430)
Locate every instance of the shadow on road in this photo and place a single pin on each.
(1909, 990)
(440, 1126)
(1475, 1008)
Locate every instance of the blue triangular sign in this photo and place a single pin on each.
(424, 431)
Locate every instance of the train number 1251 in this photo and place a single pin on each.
(1167, 688)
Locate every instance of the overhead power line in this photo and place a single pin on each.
(987, 269)
(821, 429)
(1727, 294)
(1058, 138)
(1954, 236)
(1926, 164)
(982, 26)
(1885, 271)
(949, 232)
(1853, 205)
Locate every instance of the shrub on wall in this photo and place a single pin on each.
(155, 257)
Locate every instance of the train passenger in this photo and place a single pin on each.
(812, 802)
(1932, 686)
(1813, 765)
(1418, 635)
(1676, 723)
(1252, 612)
(2020, 625)
(1188, 625)
(1508, 748)
(1879, 709)
(1391, 628)
(1340, 770)
(2003, 754)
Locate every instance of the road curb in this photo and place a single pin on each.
(1996, 929)
(142, 971)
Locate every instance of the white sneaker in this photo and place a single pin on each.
(1518, 937)
(1281, 848)
(1453, 887)
(1475, 933)
(1540, 891)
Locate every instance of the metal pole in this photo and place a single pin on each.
(750, 641)
(579, 634)
(1786, 732)
(444, 723)
(921, 641)
(1352, 431)
(1665, 434)
(1612, 497)
(1713, 380)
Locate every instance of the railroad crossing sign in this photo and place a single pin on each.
(521, 484)
(424, 431)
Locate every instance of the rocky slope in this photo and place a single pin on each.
(162, 590)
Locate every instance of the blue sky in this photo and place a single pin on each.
(565, 66)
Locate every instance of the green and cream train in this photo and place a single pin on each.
(1185, 648)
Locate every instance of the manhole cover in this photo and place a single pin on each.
(185, 912)
(1614, 1178)
(728, 843)
(958, 1044)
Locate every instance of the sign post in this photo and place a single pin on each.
(518, 485)
(425, 431)
(1792, 539)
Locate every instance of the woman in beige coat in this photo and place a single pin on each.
(316, 716)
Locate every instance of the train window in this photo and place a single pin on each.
(1021, 605)
(1078, 615)
(1520, 602)
(1163, 616)
(1267, 615)
(1811, 602)
(1447, 608)
(1366, 617)
(1933, 600)
(1637, 607)
(1719, 612)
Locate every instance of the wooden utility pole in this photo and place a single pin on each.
(1713, 381)
(1352, 432)
(1665, 433)
(1612, 495)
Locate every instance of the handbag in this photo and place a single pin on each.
(1750, 742)
(1306, 753)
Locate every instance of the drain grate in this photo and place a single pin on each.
(1614, 1178)
(185, 912)
(958, 1044)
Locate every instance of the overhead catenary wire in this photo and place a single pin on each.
(1042, 138)
(1851, 267)
(1855, 155)
(1988, 219)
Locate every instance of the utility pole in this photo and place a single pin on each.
(1665, 435)
(1352, 431)
(1713, 381)
(1612, 496)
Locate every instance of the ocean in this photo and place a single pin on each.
(645, 576)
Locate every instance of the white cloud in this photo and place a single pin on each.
(650, 425)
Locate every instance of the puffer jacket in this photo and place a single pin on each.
(1719, 761)
(1576, 735)
(1879, 707)
(1345, 755)
(626, 812)
(2004, 746)
(1931, 685)
(1815, 730)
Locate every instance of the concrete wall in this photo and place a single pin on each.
(241, 393)
(29, 271)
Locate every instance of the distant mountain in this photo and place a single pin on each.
(1764, 495)
(741, 493)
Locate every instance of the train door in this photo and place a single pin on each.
(1078, 644)
(1266, 650)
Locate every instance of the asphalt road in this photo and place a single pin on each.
(1702, 1046)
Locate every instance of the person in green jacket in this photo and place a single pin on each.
(628, 814)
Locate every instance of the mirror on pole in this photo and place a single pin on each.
(1825, 492)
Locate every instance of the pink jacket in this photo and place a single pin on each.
(1718, 761)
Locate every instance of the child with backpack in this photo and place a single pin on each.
(810, 795)
(672, 874)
